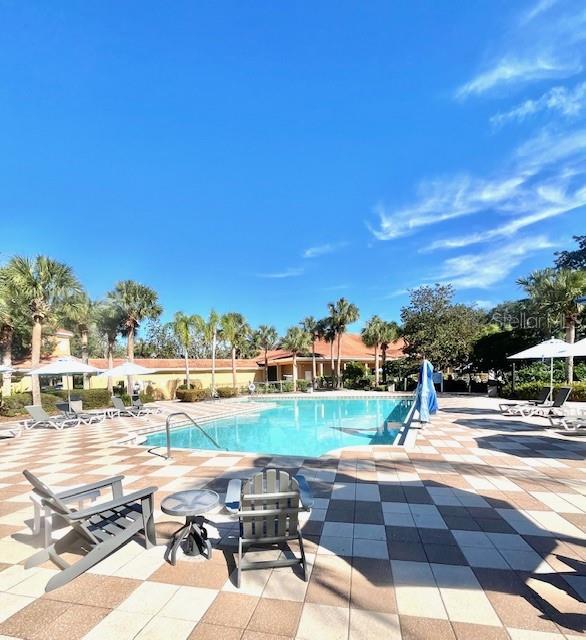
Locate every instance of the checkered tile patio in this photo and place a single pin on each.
(476, 532)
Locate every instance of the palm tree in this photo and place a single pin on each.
(136, 303)
(234, 330)
(296, 341)
(209, 331)
(372, 338)
(266, 337)
(311, 326)
(556, 291)
(326, 332)
(9, 308)
(389, 333)
(44, 285)
(342, 313)
(182, 326)
(109, 321)
(80, 314)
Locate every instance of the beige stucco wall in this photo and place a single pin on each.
(165, 382)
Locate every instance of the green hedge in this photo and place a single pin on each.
(14, 405)
(90, 398)
(192, 395)
(227, 392)
(529, 391)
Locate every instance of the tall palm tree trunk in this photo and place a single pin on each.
(384, 352)
(332, 360)
(110, 356)
(130, 355)
(313, 363)
(187, 369)
(376, 364)
(6, 347)
(214, 339)
(266, 368)
(233, 354)
(570, 337)
(36, 358)
(85, 357)
(339, 364)
(294, 371)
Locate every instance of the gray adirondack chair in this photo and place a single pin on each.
(104, 527)
(268, 507)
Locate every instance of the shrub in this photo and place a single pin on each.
(192, 395)
(227, 392)
(303, 385)
(91, 398)
(196, 384)
(15, 404)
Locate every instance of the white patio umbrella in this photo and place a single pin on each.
(579, 348)
(127, 369)
(65, 367)
(552, 348)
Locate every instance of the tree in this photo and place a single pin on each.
(109, 321)
(44, 285)
(182, 328)
(11, 316)
(80, 314)
(296, 341)
(575, 260)
(342, 313)
(209, 330)
(266, 338)
(311, 326)
(234, 330)
(372, 335)
(556, 292)
(136, 303)
(389, 333)
(436, 329)
(327, 332)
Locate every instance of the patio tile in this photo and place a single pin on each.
(230, 610)
(73, 624)
(469, 631)
(444, 554)
(484, 557)
(412, 551)
(149, 597)
(168, 628)
(120, 625)
(276, 617)
(372, 625)
(416, 628)
(205, 631)
(187, 603)
(330, 582)
(416, 590)
(370, 548)
(82, 590)
(323, 622)
(27, 622)
(372, 586)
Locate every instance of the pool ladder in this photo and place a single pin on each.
(194, 423)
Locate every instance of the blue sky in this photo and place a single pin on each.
(271, 157)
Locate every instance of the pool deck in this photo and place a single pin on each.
(475, 530)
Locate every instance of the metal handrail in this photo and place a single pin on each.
(195, 424)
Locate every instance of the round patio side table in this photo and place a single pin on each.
(192, 504)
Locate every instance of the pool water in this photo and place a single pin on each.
(298, 427)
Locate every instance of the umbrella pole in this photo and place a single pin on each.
(551, 378)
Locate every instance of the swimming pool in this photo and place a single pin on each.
(298, 427)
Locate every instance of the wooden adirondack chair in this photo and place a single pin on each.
(104, 527)
(268, 507)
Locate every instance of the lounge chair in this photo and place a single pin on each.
(40, 418)
(268, 507)
(139, 404)
(72, 410)
(104, 527)
(512, 408)
(545, 411)
(569, 422)
(120, 409)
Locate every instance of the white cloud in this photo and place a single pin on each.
(323, 249)
(538, 9)
(529, 191)
(518, 70)
(485, 269)
(558, 100)
(292, 272)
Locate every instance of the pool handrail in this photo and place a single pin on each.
(195, 424)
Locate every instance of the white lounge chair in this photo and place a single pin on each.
(513, 408)
(120, 409)
(40, 418)
(545, 411)
(72, 410)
